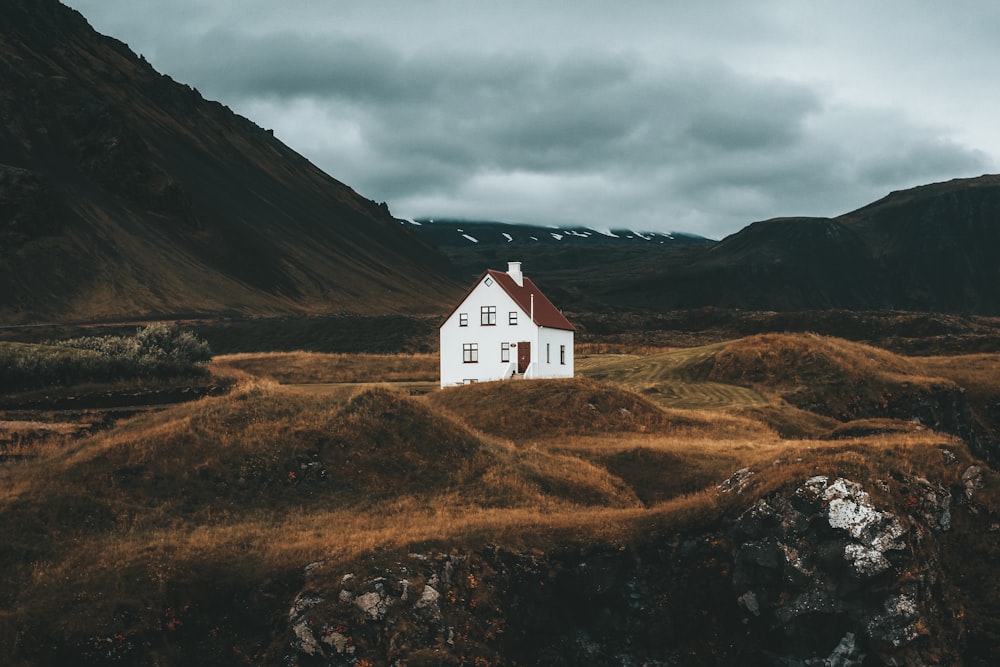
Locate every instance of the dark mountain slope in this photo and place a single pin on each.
(931, 248)
(575, 265)
(124, 193)
(936, 246)
(780, 264)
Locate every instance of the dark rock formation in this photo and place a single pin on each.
(827, 578)
(817, 575)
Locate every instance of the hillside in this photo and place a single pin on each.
(577, 265)
(125, 194)
(930, 248)
(271, 526)
(806, 385)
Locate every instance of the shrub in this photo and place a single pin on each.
(159, 350)
(26, 366)
(155, 351)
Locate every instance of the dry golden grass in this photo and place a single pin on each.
(790, 360)
(831, 376)
(20, 438)
(231, 495)
(592, 349)
(768, 376)
(106, 567)
(268, 445)
(674, 379)
(554, 409)
(978, 375)
(317, 368)
(789, 421)
(972, 371)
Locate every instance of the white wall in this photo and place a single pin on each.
(549, 362)
(489, 367)
(489, 338)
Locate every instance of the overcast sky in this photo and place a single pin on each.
(652, 115)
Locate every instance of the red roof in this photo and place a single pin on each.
(546, 314)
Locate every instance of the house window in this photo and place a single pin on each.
(463, 319)
(512, 317)
(504, 352)
(562, 355)
(548, 353)
(488, 316)
(470, 353)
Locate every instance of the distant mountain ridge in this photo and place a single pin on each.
(126, 194)
(577, 266)
(932, 248)
(459, 232)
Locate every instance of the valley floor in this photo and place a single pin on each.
(773, 499)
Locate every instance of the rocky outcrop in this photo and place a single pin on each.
(829, 578)
(824, 573)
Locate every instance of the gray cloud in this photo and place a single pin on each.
(653, 118)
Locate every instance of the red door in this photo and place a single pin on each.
(523, 356)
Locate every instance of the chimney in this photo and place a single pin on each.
(514, 271)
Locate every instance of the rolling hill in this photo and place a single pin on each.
(584, 525)
(126, 194)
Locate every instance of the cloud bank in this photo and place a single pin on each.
(608, 135)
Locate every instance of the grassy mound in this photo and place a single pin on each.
(839, 378)
(540, 408)
(159, 523)
(787, 361)
(221, 455)
(802, 385)
(386, 443)
(267, 448)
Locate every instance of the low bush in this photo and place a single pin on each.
(156, 351)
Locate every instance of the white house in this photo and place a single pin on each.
(505, 327)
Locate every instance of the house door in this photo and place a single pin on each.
(523, 356)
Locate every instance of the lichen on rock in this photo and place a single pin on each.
(790, 576)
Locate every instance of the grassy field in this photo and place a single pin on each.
(675, 379)
(331, 368)
(150, 528)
